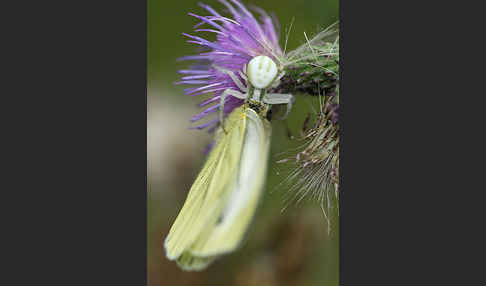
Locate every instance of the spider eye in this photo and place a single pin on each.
(261, 71)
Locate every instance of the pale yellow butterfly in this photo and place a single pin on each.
(223, 200)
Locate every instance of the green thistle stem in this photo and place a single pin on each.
(313, 68)
(315, 74)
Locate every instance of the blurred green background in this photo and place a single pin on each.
(283, 248)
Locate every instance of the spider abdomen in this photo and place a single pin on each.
(261, 71)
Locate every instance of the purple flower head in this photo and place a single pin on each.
(238, 40)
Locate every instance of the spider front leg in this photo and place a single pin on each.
(276, 82)
(222, 99)
(278, 98)
(233, 77)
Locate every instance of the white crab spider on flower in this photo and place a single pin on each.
(261, 74)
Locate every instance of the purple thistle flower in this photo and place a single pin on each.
(238, 40)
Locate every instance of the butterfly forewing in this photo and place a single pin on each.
(206, 196)
(225, 195)
(244, 192)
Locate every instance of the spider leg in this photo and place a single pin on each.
(222, 99)
(279, 98)
(233, 77)
(243, 75)
(276, 82)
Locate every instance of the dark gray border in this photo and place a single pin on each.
(407, 198)
(79, 126)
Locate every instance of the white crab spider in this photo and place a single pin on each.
(261, 74)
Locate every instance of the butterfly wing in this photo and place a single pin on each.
(225, 195)
(207, 198)
(245, 190)
(189, 262)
